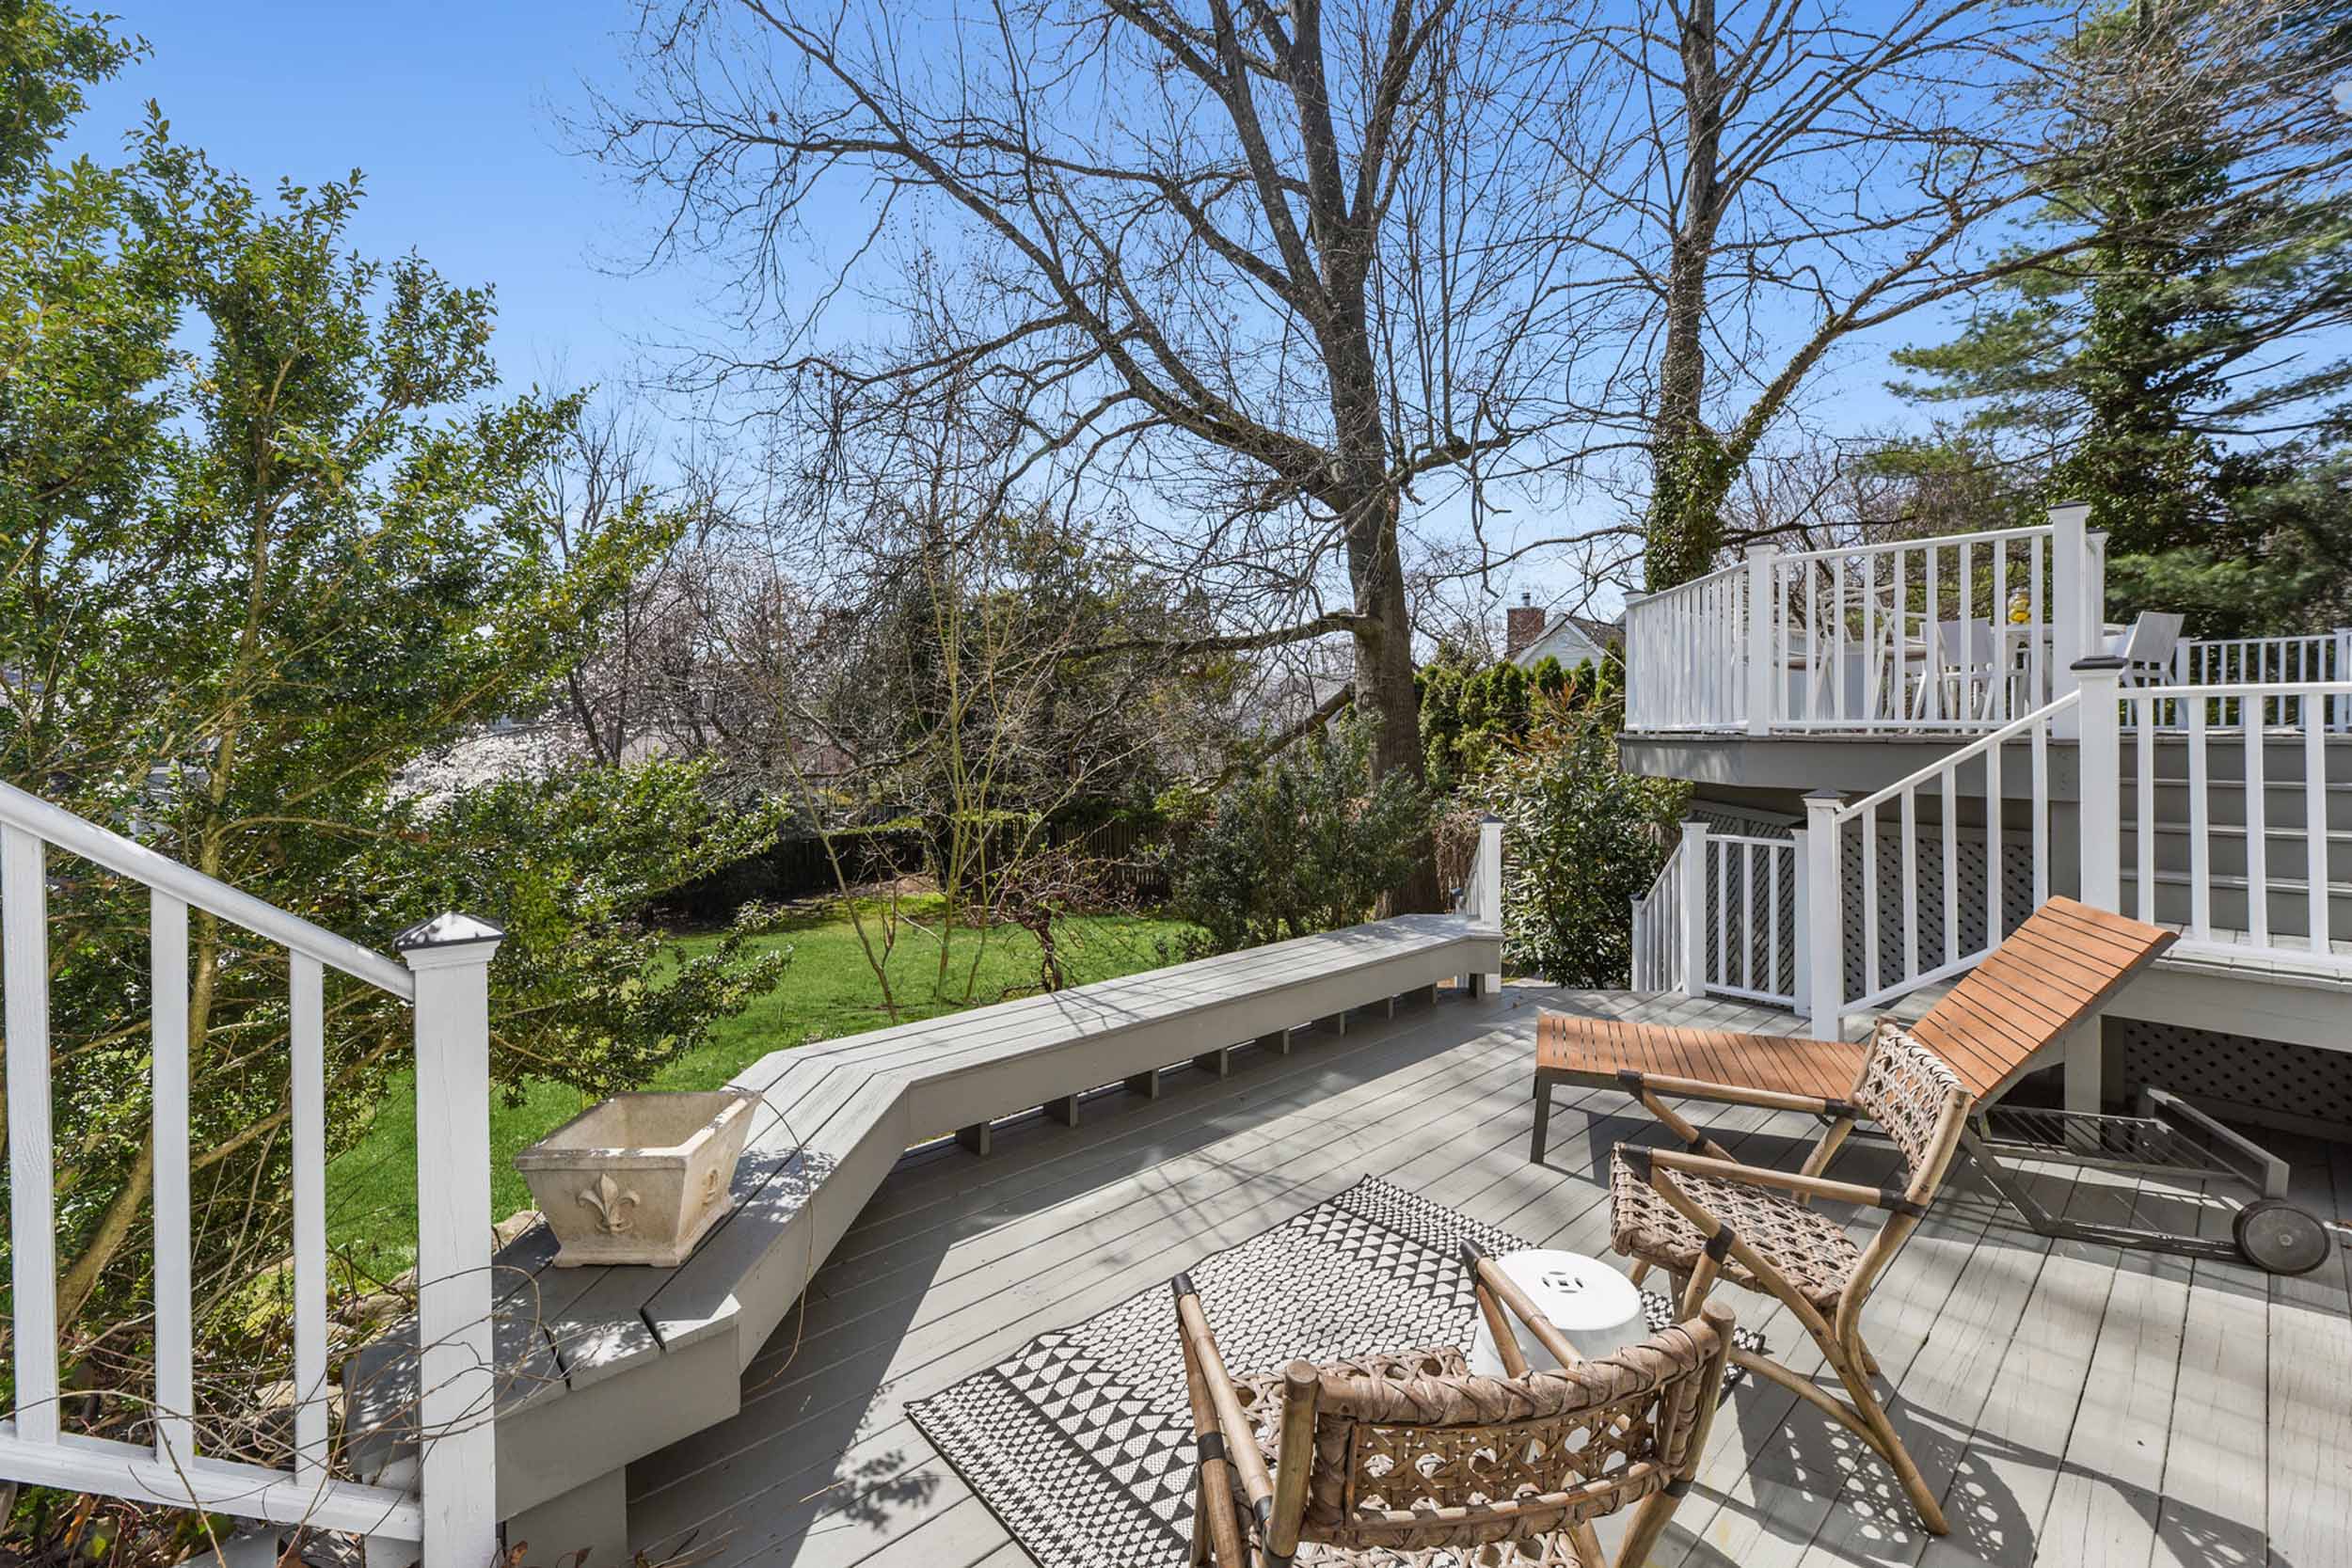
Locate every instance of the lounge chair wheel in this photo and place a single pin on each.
(2276, 1236)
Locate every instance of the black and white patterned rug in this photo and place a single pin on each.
(1082, 1442)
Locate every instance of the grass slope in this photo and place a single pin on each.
(830, 990)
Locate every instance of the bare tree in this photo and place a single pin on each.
(1298, 274)
(1793, 174)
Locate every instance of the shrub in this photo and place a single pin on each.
(1307, 843)
(1580, 840)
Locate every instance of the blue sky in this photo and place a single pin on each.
(450, 109)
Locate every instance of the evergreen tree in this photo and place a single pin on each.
(2176, 372)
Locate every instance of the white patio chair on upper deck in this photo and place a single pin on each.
(2147, 648)
(1966, 666)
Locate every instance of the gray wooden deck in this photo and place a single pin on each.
(2085, 1405)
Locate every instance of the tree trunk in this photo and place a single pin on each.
(1690, 470)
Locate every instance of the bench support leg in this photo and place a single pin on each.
(1336, 1023)
(1386, 1005)
(1425, 996)
(1219, 1061)
(974, 1137)
(592, 1517)
(1145, 1082)
(1064, 1110)
(1279, 1041)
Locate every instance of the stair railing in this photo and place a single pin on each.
(1831, 820)
(1724, 918)
(452, 1516)
(1658, 929)
(2200, 725)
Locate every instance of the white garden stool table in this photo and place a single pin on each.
(1594, 1306)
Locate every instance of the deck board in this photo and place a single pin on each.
(2076, 1406)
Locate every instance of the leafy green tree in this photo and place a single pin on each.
(1307, 843)
(1470, 712)
(1581, 837)
(268, 551)
(2181, 370)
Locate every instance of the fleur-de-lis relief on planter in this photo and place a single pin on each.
(612, 1204)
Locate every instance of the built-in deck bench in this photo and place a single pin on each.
(601, 1366)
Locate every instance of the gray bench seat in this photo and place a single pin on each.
(602, 1366)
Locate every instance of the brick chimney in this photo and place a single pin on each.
(1522, 625)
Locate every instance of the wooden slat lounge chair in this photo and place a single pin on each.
(2050, 975)
(1407, 1458)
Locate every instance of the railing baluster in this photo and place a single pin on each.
(2257, 828)
(1747, 916)
(175, 1335)
(1996, 862)
(1930, 670)
(1871, 713)
(32, 1191)
(1872, 975)
(1838, 625)
(2040, 814)
(1951, 864)
(1720, 972)
(2317, 869)
(2144, 807)
(1909, 830)
(1772, 966)
(309, 1095)
(2002, 677)
(2200, 850)
(2038, 625)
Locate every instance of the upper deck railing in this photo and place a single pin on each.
(1960, 634)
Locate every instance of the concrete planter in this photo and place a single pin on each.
(640, 1177)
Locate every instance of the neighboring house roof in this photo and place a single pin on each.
(1573, 640)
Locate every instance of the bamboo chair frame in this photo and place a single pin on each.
(1925, 1114)
(1573, 1446)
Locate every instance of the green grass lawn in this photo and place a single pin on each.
(830, 990)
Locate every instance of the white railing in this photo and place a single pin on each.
(1659, 930)
(1686, 653)
(2195, 749)
(1722, 919)
(1755, 886)
(452, 1516)
(1960, 633)
(2269, 662)
(1966, 929)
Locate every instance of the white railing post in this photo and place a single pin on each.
(32, 1178)
(1823, 908)
(456, 1404)
(1486, 887)
(1640, 659)
(1800, 923)
(2070, 571)
(1693, 933)
(2099, 790)
(1763, 666)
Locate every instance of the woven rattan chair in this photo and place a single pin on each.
(1703, 1217)
(1408, 1461)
